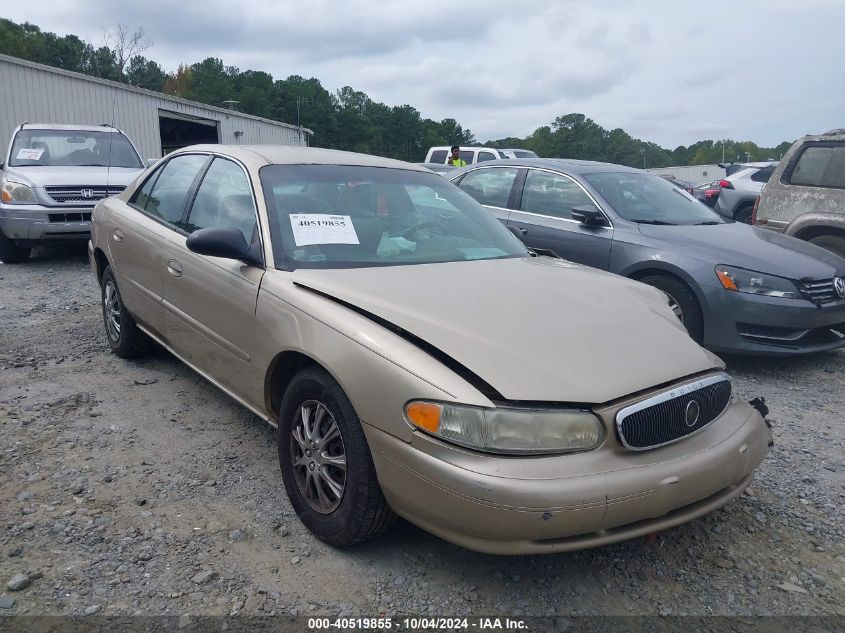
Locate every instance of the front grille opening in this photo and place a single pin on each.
(819, 291)
(791, 337)
(674, 414)
(70, 217)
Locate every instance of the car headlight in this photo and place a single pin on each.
(508, 430)
(741, 280)
(16, 193)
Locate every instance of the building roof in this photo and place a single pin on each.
(143, 91)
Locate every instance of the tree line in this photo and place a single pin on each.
(347, 118)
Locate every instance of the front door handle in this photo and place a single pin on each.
(174, 268)
(117, 234)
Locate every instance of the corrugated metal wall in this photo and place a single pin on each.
(36, 93)
(696, 174)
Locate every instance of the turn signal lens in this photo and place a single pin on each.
(726, 280)
(425, 415)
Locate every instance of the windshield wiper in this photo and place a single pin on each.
(707, 223)
(657, 222)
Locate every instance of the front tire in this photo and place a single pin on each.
(685, 304)
(11, 253)
(327, 468)
(122, 332)
(833, 243)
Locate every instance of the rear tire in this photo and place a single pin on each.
(743, 214)
(122, 332)
(341, 506)
(833, 243)
(686, 301)
(11, 253)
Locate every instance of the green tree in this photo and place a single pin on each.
(145, 73)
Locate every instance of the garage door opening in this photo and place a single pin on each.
(180, 130)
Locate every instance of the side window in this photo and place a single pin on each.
(439, 156)
(142, 196)
(490, 186)
(486, 156)
(820, 166)
(167, 198)
(224, 200)
(468, 155)
(552, 194)
(763, 175)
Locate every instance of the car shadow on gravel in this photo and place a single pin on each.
(58, 253)
(826, 361)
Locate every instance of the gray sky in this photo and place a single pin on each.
(669, 72)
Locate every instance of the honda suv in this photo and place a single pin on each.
(51, 179)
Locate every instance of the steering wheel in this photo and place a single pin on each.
(424, 225)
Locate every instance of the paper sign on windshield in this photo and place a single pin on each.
(28, 153)
(322, 228)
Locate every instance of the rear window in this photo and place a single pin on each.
(820, 166)
(439, 156)
(764, 174)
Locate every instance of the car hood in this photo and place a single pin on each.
(34, 176)
(535, 329)
(761, 250)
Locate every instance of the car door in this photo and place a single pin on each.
(493, 187)
(138, 236)
(209, 302)
(543, 215)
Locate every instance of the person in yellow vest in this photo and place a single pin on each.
(455, 157)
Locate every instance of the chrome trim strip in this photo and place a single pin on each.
(214, 382)
(673, 393)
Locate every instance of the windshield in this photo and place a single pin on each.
(334, 216)
(649, 199)
(72, 148)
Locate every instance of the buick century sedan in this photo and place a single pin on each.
(415, 358)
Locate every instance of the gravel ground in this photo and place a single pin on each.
(134, 487)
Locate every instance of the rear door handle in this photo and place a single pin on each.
(117, 234)
(174, 268)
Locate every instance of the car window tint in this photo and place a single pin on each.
(821, 166)
(224, 200)
(763, 175)
(439, 156)
(490, 186)
(143, 194)
(552, 194)
(168, 195)
(468, 156)
(486, 156)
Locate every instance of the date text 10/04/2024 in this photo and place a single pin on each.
(417, 624)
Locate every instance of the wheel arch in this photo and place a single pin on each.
(281, 370)
(101, 262)
(646, 269)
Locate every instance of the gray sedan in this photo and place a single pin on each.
(736, 288)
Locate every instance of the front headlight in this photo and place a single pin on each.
(508, 430)
(741, 280)
(16, 193)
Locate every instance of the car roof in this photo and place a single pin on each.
(570, 165)
(298, 155)
(79, 128)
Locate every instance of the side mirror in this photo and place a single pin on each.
(152, 161)
(588, 214)
(219, 242)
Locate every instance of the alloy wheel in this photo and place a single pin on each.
(318, 456)
(676, 308)
(111, 306)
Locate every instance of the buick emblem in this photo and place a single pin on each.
(693, 411)
(87, 193)
(839, 286)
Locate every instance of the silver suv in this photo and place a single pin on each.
(806, 196)
(52, 177)
(739, 191)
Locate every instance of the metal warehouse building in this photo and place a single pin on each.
(157, 123)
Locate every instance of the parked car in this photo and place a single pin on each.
(515, 152)
(707, 193)
(469, 154)
(736, 288)
(683, 184)
(437, 168)
(740, 191)
(805, 197)
(507, 403)
(52, 176)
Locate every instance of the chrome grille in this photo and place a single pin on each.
(820, 291)
(81, 193)
(663, 419)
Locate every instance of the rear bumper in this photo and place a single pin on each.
(742, 323)
(504, 505)
(37, 223)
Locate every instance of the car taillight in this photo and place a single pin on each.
(725, 184)
(754, 210)
(709, 193)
